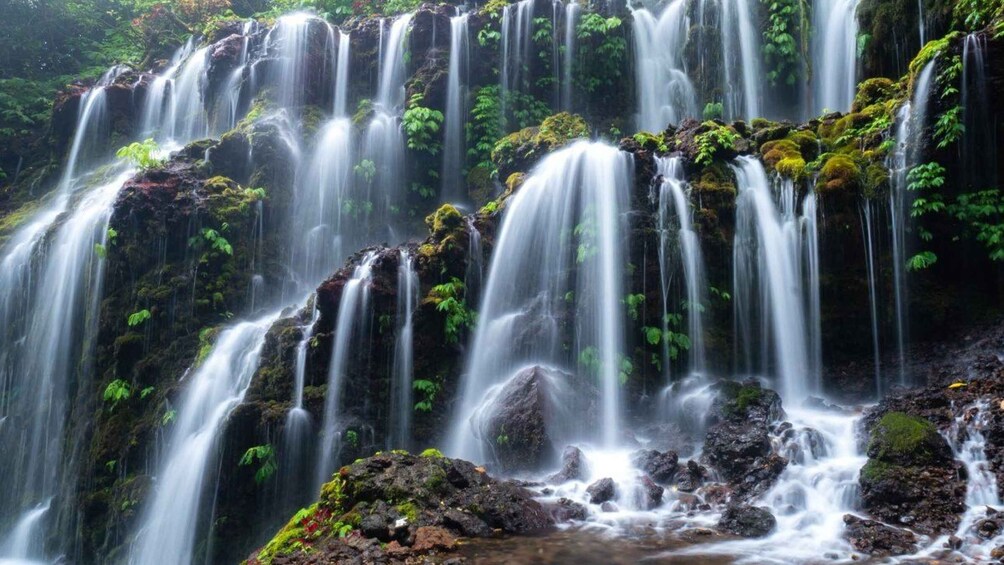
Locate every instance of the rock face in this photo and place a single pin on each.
(603, 490)
(747, 521)
(737, 444)
(878, 539)
(413, 504)
(573, 467)
(519, 425)
(661, 467)
(911, 477)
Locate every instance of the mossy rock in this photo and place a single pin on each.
(931, 50)
(520, 150)
(901, 439)
(874, 91)
(444, 220)
(839, 174)
(480, 184)
(784, 157)
(651, 141)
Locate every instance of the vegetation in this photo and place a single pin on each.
(116, 392)
(142, 154)
(264, 456)
(421, 126)
(449, 299)
(782, 51)
(713, 141)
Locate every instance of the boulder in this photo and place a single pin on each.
(649, 493)
(566, 510)
(601, 491)
(661, 467)
(878, 539)
(747, 521)
(573, 467)
(691, 477)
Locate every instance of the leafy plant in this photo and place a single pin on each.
(710, 143)
(137, 318)
(780, 49)
(949, 127)
(365, 169)
(421, 126)
(142, 154)
(116, 392)
(449, 298)
(675, 341)
(168, 417)
(428, 389)
(925, 179)
(216, 241)
(600, 59)
(633, 302)
(714, 111)
(352, 438)
(983, 215)
(264, 455)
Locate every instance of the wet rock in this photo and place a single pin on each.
(651, 493)
(761, 475)
(911, 477)
(609, 507)
(602, 491)
(878, 539)
(566, 510)
(428, 538)
(573, 467)
(988, 528)
(954, 542)
(517, 428)
(691, 477)
(747, 521)
(661, 467)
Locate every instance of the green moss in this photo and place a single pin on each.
(533, 142)
(444, 220)
(432, 452)
(875, 470)
(13, 220)
(480, 183)
(408, 510)
(784, 157)
(288, 539)
(874, 91)
(928, 52)
(559, 129)
(899, 436)
(839, 173)
(651, 141)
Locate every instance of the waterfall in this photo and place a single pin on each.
(454, 138)
(834, 55)
(174, 112)
(979, 142)
(383, 144)
(741, 51)
(773, 253)
(474, 273)
(353, 309)
(559, 246)
(292, 42)
(674, 200)
(911, 123)
(295, 434)
(342, 74)
(665, 92)
(403, 367)
(867, 216)
(174, 513)
(517, 29)
(228, 105)
(572, 10)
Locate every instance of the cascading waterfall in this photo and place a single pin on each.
(474, 274)
(665, 92)
(911, 123)
(867, 219)
(352, 311)
(174, 112)
(773, 252)
(403, 368)
(298, 424)
(741, 52)
(173, 514)
(536, 269)
(292, 40)
(454, 140)
(571, 20)
(834, 55)
(383, 144)
(517, 28)
(228, 106)
(674, 201)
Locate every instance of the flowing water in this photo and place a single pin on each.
(517, 29)
(665, 92)
(774, 247)
(454, 141)
(171, 521)
(578, 192)
(402, 404)
(834, 55)
(867, 221)
(353, 309)
(741, 52)
(570, 21)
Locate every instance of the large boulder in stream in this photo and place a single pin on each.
(522, 419)
(738, 441)
(911, 477)
(747, 521)
(390, 507)
(878, 539)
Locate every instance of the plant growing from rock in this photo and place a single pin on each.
(421, 126)
(142, 154)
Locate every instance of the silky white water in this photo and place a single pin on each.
(454, 139)
(402, 404)
(834, 55)
(665, 92)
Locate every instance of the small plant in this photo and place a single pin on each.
(146, 392)
(675, 341)
(116, 392)
(983, 215)
(448, 298)
(366, 169)
(352, 438)
(925, 179)
(633, 302)
(168, 417)
(142, 154)
(137, 318)
(713, 111)
(264, 455)
(217, 241)
(428, 389)
(714, 141)
(421, 125)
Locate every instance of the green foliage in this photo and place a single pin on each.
(898, 436)
(601, 57)
(168, 417)
(146, 392)
(142, 154)
(421, 126)
(352, 438)
(215, 240)
(632, 302)
(925, 179)
(449, 299)
(264, 455)
(675, 341)
(366, 169)
(713, 111)
(949, 127)
(974, 15)
(983, 215)
(780, 49)
(137, 318)
(433, 453)
(716, 139)
(116, 391)
(921, 261)
(429, 390)
(484, 125)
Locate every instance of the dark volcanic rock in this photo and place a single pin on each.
(566, 510)
(691, 477)
(661, 467)
(747, 521)
(601, 491)
(911, 477)
(573, 467)
(650, 495)
(878, 539)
